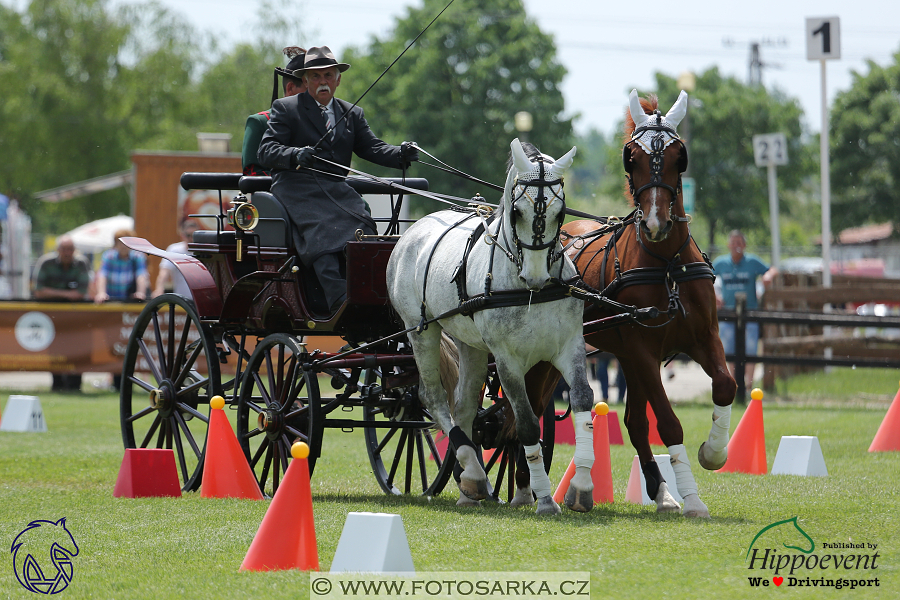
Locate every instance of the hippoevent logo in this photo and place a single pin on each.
(782, 553)
(42, 556)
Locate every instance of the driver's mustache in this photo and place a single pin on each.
(323, 88)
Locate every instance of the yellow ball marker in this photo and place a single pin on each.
(217, 402)
(300, 450)
(756, 394)
(601, 408)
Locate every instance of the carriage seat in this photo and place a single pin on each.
(273, 228)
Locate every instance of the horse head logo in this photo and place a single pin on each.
(42, 556)
(787, 531)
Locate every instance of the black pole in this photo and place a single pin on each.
(740, 350)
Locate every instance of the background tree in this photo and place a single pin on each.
(457, 90)
(724, 116)
(865, 154)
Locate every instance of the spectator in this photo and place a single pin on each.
(737, 272)
(602, 372)
(168, 274)
(123, 273)
(62, 276)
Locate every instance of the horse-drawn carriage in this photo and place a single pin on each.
(242, 334)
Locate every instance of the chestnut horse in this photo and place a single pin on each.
(650, 259)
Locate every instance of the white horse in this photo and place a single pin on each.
(517, 251)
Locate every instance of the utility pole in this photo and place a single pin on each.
(756, 64)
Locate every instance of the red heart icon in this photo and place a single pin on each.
(778, 580)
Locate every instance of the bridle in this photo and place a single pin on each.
(657, 162)
(539, 222)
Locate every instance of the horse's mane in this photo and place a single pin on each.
(649, 104)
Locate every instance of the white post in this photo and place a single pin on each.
(826, 209)
(826, 189)
(773, 216)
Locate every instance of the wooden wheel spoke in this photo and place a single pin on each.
(263, 392)
(180, 452)
(270, 371)
(276, 464)
(296, 433)
(429, 439)
(178, 358)
(147, 387)
(258, 454)
(188, 435)
(188, 366)
(420, 454)
(397, 456)
(171, 340)
(151, 431)
(410, 451)
(267, 462)
(384, 442)
(140, 414)
(154, 366)
(160, 349)
(189, 409)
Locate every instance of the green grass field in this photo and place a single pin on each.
(192, 547)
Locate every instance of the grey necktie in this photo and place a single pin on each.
(328, 123)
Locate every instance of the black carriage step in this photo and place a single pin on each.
(352, 424)
(210, 181)
(211, 236)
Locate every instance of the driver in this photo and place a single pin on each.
(324, 209)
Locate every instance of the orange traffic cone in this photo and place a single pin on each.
(226, 473)
(654, 440)
(888, 436)
(747, 448)
(601, 472)
(287, 535)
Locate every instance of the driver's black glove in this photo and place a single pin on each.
(409, 153)
(303, 157)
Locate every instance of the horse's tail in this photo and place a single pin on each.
(449, 368)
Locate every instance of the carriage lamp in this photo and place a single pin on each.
(244, 217)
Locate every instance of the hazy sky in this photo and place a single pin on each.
(609, 48)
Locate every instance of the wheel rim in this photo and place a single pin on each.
(170, 372)
(405, 460)
(276, 407)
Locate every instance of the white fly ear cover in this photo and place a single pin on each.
(637, 111)
(678, 110)
(520, 159)
(563, 163)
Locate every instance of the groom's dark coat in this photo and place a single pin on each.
(326, 212)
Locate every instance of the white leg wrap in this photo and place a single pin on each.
(584, 439)
(684, 479)
(718, 433)
(540, 483)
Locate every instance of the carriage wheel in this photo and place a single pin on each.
(171, 370)
(500, 462)
(411, 457)
(276, 407)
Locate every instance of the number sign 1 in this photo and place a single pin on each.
(770, 149)
(823, 38)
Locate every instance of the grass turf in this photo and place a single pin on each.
(191, 547)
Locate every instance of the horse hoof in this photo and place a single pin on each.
(467, 502)
(523, 497)
(580, 500)
(712, 461)
(695, 508)
(665, 503)
(547, 506)
(474, 489)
